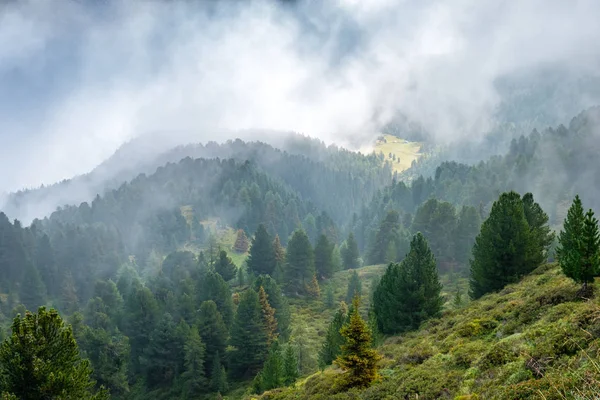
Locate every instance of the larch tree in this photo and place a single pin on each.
(268, 316)
(241, 244)
(358, 359)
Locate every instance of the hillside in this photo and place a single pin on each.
(533, 340)
(399, 152)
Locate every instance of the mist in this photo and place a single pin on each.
(78, 79)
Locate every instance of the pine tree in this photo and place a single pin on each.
(350, 255)
(213, 333)
(577, 251)
(41, 360)
(324, 257)
(409, 292)
(502, 250)
(300, 262)
(241, 242)
(279, 251)
(268, 316)
(313, 289)
(213, 287)
(334, 340)
(290, 366)
(225, 267)
(194, 376)
(278, 302)
(218, 382)
(541, 234)
(248, 336)
(262, 256)
(354, 287)
(358, 359)
(273, 373)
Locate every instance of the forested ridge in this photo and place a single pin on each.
(195, 278)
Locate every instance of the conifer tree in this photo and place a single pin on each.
(225, 267)
(278, 302)
(354, 287)
(357, 359)
(268, 316)
(213, 287)
(218, 381)
(502, 250)
(313, 289)
(41, 360)
(300, 262)
(261, 259)
(278, 251)
(467, 229)
(33, 291)
(194, 377)
(248, 336)
(409, 292)
(213, 333)
(324, 257)
(350, 255)
(241, 242)
(541, 234)
(273, 373)
(333, 338)
(579, 246)
(290, 366)
(329, 297)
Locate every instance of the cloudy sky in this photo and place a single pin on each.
(78, 78)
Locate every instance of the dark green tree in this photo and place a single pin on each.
(213, 333)
(248, 337)
(354, 287)
(193, 376)
(273, 373)
(213, 287)
(541, 234)
(358, 359)
(437, 220)
(41, 360)
(225, 267)
(351, 255)
(409, 292)
(324, 257)
(262, 256)
(503, 249)
(467, 229)
(334, 340)
(300, 263)
(290, 365)
(218, 382)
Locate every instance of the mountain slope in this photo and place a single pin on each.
(533, 340)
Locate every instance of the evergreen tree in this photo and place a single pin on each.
(213, 333)
(194, 377)
(409, 292)
(248, 336)
(278, 302)
(142, 311)
(300, 262)
(358, 359)
(324, 257)
(213, 287)
(33, 291)
(350, 255)
(41, 360)
(279, 251)
(290, 366)
(313, 289)
(273, 373)
(225, 267)
(261, 259)
(268, 316)
(354, 287)
(218, 382)
(467, 229)
(329, 297)
(334, 340)
(541, 234)
(503, 249)
(336, 259)
(241, 242)
(388, 231)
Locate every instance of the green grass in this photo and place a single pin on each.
(533, 340)
(406, 151)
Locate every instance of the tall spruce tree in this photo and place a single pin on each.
(324, 257)
(503, 250)
(194, 376)
(358, 360)
(541, 234)
(41, 360)
(262, 256)
(213, 333)
(273, 373)
(578, 250)
(300, 266)
(409, 292)
(218, 381)
(248, 337)
(354, 287)
(290, 365)
(351, 255)
(334, 340)
(213, 287)
(225, 267)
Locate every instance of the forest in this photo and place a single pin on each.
(241, 270)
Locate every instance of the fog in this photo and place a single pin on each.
(79, 78)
